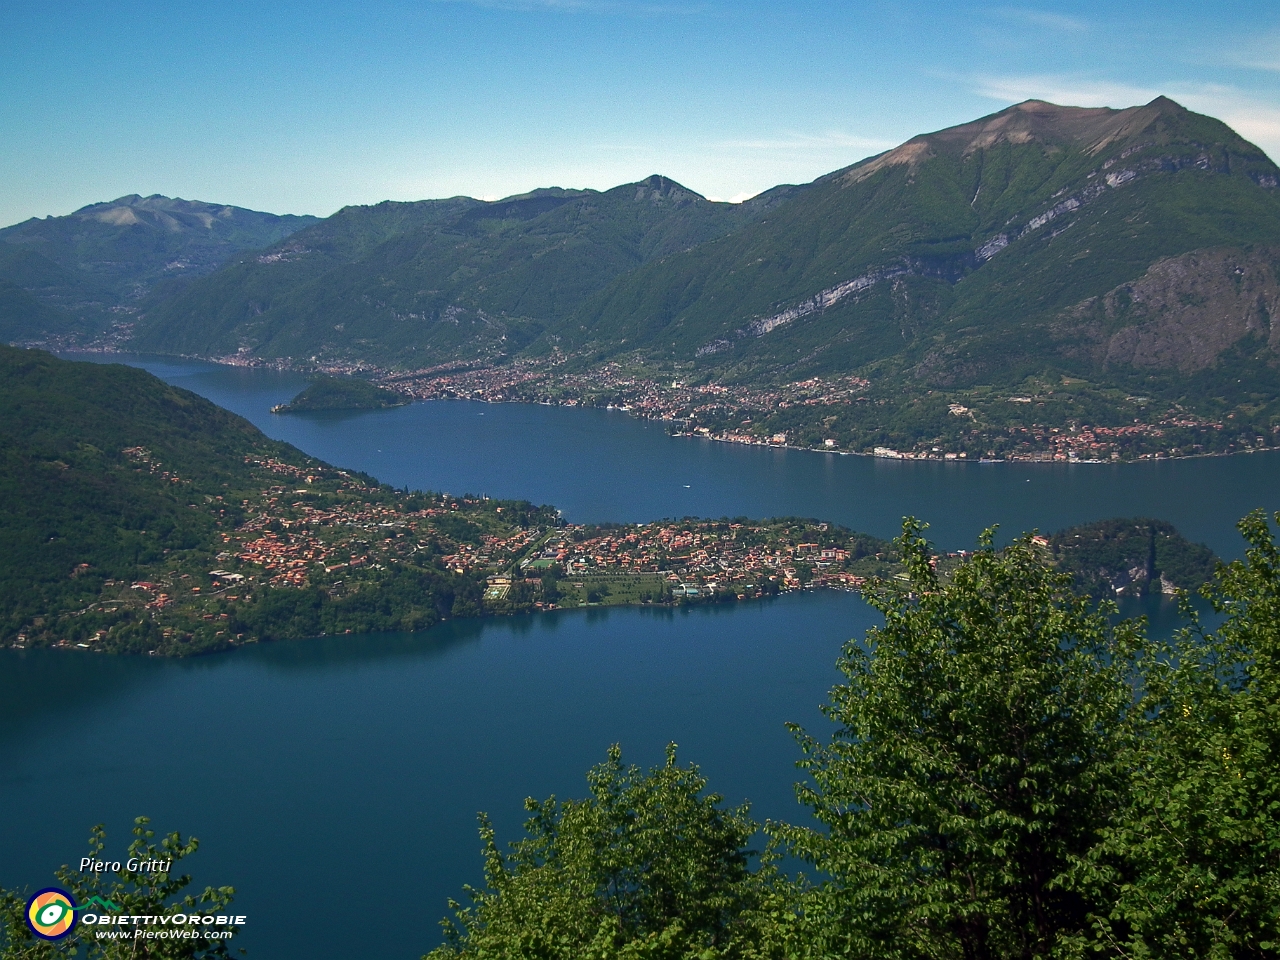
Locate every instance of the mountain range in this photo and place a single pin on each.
(419, 283)
(91, 269)
(1104, 266)
(971, 252)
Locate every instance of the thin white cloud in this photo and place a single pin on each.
(1257, 53)
(1252, 63)
(1041, 19)
(1068, 91)
(1255, 117)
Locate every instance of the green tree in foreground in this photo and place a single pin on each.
(1192, 867)
(980, 752)
(140, 894)
(646, 867)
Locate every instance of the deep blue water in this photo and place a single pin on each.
(333, 775)
(598, 465)
(325, 777)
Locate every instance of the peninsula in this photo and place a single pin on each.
(141, 518)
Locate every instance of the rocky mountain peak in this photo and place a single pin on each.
(658, 189)
(1092, 129)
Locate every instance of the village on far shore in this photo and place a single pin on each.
(1062, 420)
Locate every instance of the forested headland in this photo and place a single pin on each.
(342, 393)
(139, 517)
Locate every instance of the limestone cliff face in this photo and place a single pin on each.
(1182, 313)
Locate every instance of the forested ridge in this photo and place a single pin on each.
(342, 393)
(139, 517)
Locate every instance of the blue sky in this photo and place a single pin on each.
(306, 107)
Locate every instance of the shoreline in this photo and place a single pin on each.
(399, 383)
(671, 606)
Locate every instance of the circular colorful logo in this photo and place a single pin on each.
(51, 913)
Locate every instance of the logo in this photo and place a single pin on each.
(51, 913)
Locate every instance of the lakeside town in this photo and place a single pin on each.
(836, 414)
(305, 533)
(671, 561)
(831, 414)
(546, 566)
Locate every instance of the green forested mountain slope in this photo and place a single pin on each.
(1045, 282)
(956, 257)
(21, 314)
(94, 266)
(72, 497)
(139, 517)
(1039, 237)
(439, 280)
(208, 317)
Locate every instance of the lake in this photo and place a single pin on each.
(600, 465)
(325, 777)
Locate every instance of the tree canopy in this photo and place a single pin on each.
(980, 746)
(1015, 772)
(1192, 867)
(647, 866)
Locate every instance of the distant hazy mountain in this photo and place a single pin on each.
(414, 283)
(93, 267)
